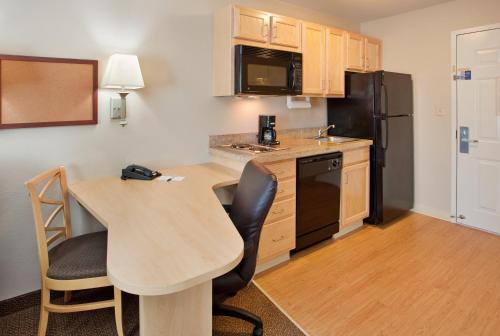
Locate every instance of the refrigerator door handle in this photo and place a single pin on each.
(385, 118)
(385, 142)
(386, 101)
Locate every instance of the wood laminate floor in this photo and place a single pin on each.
(418, 276)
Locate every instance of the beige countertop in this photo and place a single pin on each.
(296, 148)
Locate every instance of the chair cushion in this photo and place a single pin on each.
(79, 257)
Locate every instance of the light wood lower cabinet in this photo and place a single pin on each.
(282, 169)
(278, 233)
(281, 209)
(276, 239)
(355, 193)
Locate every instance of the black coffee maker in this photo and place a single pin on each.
(267, 133)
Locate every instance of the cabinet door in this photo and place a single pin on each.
(249, 24)
(313, 53)
(355, 52)
(335, 61)
(355, 199)
(285, 31)
(373, 51)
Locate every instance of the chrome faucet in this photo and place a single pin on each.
(321, 131)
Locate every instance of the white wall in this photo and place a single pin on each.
(419, 43)
(169, 121)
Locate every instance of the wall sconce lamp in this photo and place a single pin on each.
(123, 73)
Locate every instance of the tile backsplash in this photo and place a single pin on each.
(225, 139)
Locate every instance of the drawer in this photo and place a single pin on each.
(356, 156)
(281, 209)
(286, 189)
(277, 238)
(282, 169)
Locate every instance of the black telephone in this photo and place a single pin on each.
(139, 173)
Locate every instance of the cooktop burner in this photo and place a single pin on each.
(240, 145)
(254, 148)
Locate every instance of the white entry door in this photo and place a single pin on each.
(478, 113)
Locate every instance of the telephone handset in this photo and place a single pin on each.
(139, 173)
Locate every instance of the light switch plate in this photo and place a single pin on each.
(439, 111)
(116, 108)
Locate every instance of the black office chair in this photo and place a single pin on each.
(253, 199)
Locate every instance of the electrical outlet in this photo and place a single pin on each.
(116, 108)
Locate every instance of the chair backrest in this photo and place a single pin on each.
(46, 234)
(253, 198)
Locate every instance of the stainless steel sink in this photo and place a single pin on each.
(335, 139)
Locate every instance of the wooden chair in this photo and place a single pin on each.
(76, 263)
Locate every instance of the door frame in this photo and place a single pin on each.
(454, 112)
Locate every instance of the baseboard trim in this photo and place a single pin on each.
(273, 262)
(349, 229)
(432, 212)
(18, 303)
(280, 308)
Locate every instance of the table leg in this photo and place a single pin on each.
(186, 313)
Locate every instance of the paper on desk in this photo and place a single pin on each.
(171, 178)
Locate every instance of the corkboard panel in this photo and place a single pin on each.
(38, 91)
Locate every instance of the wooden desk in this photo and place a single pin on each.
(166, 242)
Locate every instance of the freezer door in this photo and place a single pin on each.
(394, 94)
(353, 115)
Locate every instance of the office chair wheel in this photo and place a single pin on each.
(257, 331)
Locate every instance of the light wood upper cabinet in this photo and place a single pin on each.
(355, 203)
(313, 55)
(335, 61)
(355, 52)
(373, 52)
(249, 24)
(285, 31)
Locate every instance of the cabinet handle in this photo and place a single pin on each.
(281, 191)
(278, 212)
(265, 29)
(346, 178)
(279, 239)
(275, 31)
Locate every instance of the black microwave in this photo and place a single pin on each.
(261, 71)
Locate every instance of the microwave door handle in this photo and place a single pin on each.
(293, 76)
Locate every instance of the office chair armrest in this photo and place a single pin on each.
(227, 207)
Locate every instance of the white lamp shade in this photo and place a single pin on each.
(123, 72)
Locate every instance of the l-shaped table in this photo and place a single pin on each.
(166, 242)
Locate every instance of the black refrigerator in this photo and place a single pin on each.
(379, 106)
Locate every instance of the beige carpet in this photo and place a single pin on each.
(20, 317)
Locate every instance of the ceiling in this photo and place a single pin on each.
(365, 10)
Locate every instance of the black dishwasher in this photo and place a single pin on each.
(318, 198)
